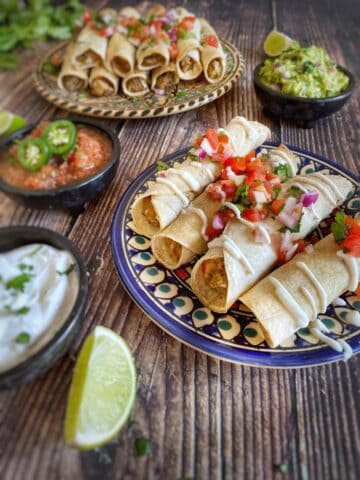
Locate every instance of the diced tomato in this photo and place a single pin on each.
(187, 23)
(223, 138)
(221, 148)
(106, 31)
(198, 141)
(219, 222)
(212, 136)
(351, 245)
(157, 24)
(273, 178)
(174, 52)
(217, 190)
(255, 165)
(211, 40)
(237, 164)
(281, 256)
(87, 17)
(254, 214)
(277, 205)
(229, 187)
(301, 245)
(357, 291)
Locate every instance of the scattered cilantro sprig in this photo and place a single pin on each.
(339, 228)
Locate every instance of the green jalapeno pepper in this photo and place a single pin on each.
(33, 153)
(60, 137)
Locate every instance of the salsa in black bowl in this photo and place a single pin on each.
(304, 111)
(58, 164)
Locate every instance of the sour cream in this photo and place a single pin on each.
(38, 288)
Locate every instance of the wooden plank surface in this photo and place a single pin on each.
(206, 419)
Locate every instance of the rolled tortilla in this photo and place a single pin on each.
(103, 83)
(188, 62)
(235, 261)
(120, 56)
(212, 56)
(152, 53)
(72, 78)
(90, 50)
(292, 296)
(135, 84)
(164, 78)
(164, 200)
(156, 11)
(185, 237)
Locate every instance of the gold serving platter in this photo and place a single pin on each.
(187, 96)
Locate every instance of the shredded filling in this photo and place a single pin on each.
(121, 65)
(137, 84)
(101, 87)
(73, 84)
(89, 58)
(149, 212)
(173, 249)
(215, 69)
(214, 273)
(166, 81)
(153, 59)
(187, 64)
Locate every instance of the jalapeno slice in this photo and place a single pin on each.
(33, 153)
(60, 136)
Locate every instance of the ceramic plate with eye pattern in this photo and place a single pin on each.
(186, 96)
(166, 297)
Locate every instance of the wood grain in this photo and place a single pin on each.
(206, 419)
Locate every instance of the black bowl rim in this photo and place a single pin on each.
(311, 100)
(27, 192)
(81, 298)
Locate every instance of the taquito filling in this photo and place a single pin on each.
(121, 65)
(149, 212)
(72, 84)
(214, 274)
(152, 60)
(136, 84)
(166, 81)
(215, 69)
(187, 64)
(102, 87)
(89, 58)
(172, 250)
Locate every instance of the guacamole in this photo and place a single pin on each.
(304, 72)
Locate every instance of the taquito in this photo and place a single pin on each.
(235, 261)
(212, 54)
(103, 83)
(154, 12)
(152, 53)
(135, 84)
(164, 200)
(293, 295)
(120, 56)
(188, 62)
(71, 77)
(185, 238)
(164, 78)
(90, 50)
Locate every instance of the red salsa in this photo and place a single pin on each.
(90, 152)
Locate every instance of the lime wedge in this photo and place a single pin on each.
(9, 122)
(276, 43)
(102, 391)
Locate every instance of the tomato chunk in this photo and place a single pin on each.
(211, 40)
(254, 214)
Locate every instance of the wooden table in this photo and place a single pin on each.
(206, 419)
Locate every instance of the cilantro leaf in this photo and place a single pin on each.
(19, 311)
(18, 282)
(161, 166)
(338, 227)
(294, 191)
(284, 171)
(70, 269)
(142, 446)
(23, 338)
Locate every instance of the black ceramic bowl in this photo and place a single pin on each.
(304, 111)
(73, 196)
(43, 359)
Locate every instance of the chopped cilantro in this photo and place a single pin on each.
(161, 166)
(181, 94)
(142, 446)
(193, 157)
(70, 269)
(19, 311)
(185, 35)
(284, 171)
(18, 282)
(36, 250)
(294, 191)
(241, 195)
(239, 206)
(338, 227)
(130, 30)
(276, 191)
(24, 266)
(23, 338)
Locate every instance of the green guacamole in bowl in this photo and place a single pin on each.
(306, 72)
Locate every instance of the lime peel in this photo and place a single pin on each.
(277, 43)
(9, 122)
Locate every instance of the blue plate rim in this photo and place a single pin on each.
(320, 356)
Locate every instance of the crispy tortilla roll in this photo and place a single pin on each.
(90, 50)
(212, 54)
(188, 62)
(185, 238)
(120, 56)
(235, 261)
(164, 200)
(156, 11)
(293, 295)
(129, 12)
(103, 83)
(164, 78)
(72, 78)
(152, 54)
(135, 84)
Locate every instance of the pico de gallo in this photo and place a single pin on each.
(346, 231)
(55, 154)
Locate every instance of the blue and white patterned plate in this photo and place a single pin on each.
(166, 297)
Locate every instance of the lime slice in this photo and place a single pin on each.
(102, 391)
(9, 122)
(276, 43)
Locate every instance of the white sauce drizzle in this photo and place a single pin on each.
(202, 217)
(238, 216)
(289, 303)
(232, 249)
(352, 266)
(311, 300)
(187, 178)
(328, 181)
(206, 169)
(318, 287)
(175, 189)
(325, 191)
(316, 329)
